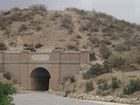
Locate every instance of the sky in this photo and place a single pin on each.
(123, 9)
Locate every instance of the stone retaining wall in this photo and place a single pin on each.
(84, 96)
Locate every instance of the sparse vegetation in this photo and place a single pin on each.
(67, 23)
(97, 70)
(7, 75)
(29, 47)
(89, 86)
(106, 53)
(2, 46)
(72, 79)
(92, 56)
(100, 81)
(23, 27)
(67, 92)
(115, 83)
(87, 75)
(122, 47)
(38, 45)
(104, 86)
(12, 44)
(72, 47)
(132, 87)
(117, 61)
(38, 7)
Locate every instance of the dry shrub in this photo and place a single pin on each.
(67, 22)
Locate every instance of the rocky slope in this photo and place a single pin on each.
(72, 29)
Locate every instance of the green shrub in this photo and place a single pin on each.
(107, 42)
(5, 91)
(102, 93)
(38, 7)
(106, 67)
(2, 46)
(67, 23)
(115, 83)
(72, 79)
(72, 47)
(78, 11)
(89, 86)
(99, 92)
(4, 22)
(7, 75)
(132, 87)
(67, 92)
(26, 45)
(13, 44)
(38, 45)
(121, 95)
(94, 40)
(104, 86)
(106, 53)
(122, 47)
(87, 75)
(97, 70)
(117, 61)
(100, 81)
(105, 93)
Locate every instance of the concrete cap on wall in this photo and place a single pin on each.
(57, 50)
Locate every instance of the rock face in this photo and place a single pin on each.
(84, 96)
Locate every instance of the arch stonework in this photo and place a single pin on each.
(57, 63)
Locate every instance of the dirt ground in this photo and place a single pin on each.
(44, 98)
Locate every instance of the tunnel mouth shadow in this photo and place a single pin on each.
(40, 79)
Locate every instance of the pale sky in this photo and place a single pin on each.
(122, 9)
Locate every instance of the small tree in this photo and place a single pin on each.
(89, 86)
(115, 83)
(95, 70)
(5, 91)
(106, 67)
(132, 87)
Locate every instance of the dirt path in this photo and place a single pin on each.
(49, 99)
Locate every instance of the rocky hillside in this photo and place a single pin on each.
(72, 29)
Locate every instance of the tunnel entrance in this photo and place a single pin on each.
(40, 79)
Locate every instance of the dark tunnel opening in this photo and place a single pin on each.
(40, 78)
